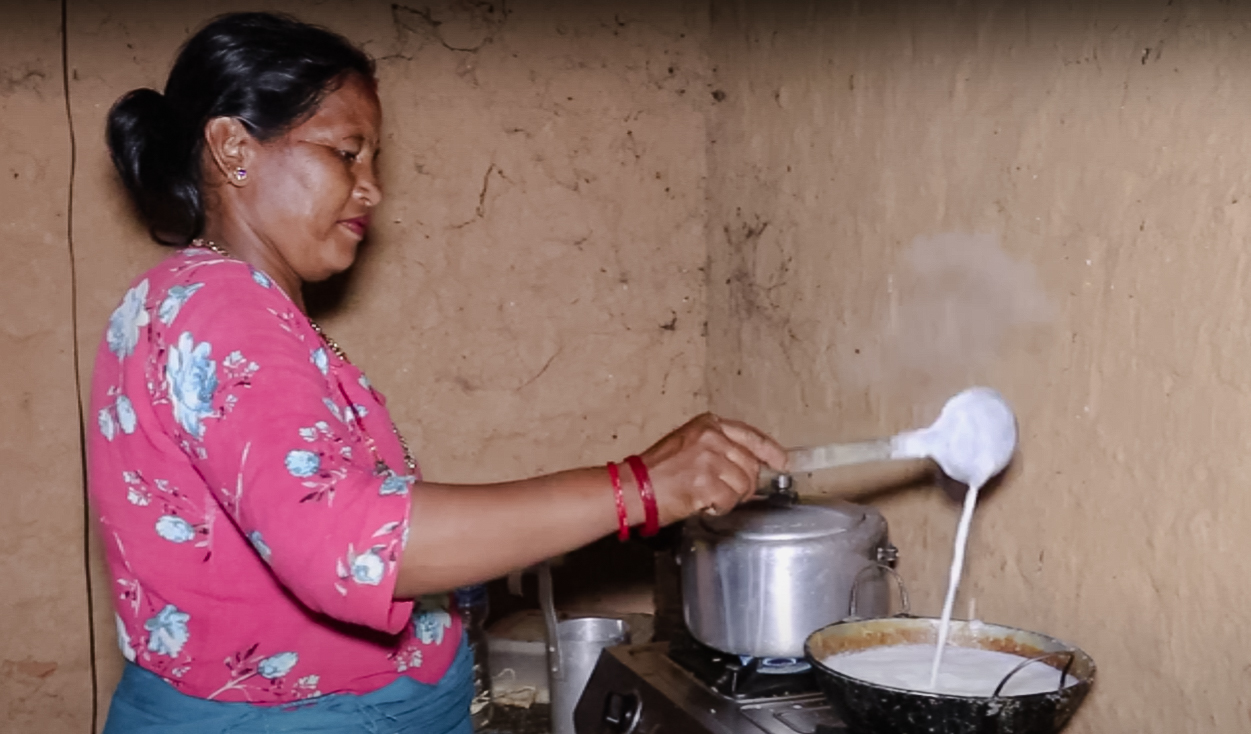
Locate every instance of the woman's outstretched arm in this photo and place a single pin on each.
(463, 534)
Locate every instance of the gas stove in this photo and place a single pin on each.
(682, 687)
(742, 677)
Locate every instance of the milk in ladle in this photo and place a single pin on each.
(972, 440)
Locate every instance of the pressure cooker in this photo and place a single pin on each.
(761, 578)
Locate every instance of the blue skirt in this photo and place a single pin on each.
(145, 704)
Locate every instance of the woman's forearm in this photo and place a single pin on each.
(461, 534)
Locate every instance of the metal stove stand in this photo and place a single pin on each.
(640, 689)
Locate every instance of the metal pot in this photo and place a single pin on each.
(757, 581)
(868, 708)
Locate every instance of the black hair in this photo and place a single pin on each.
(269, 71)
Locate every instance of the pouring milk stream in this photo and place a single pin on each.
(972, 441)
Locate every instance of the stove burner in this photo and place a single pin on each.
(741, 676)
(779, 666)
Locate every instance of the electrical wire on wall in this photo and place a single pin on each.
(78, 383)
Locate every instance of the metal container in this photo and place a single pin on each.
(869, 708)
(573, 648)
(580, 642)
(757, 581)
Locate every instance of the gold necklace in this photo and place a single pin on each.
(334, 346)
(209, 245)
(380, 465)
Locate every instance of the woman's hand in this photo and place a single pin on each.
(709, 464)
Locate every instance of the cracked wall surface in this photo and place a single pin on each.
(1060, 191)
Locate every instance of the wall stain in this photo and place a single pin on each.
(542, 370)
(461, 25)
(750, 293)
(480, 209)
(21, 77)
(27, 668)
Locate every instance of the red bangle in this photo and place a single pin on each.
(623, 521)
(651, 522)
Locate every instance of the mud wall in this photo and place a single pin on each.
(1050, 198)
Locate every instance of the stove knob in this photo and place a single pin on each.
(621, 712)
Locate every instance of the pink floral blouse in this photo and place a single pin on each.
(252, 495)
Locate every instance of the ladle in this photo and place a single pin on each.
(971, 442)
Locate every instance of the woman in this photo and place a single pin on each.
(265, 525)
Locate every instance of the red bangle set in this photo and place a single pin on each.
(651, 515)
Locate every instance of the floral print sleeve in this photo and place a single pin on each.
(257, 403)
(251, 489)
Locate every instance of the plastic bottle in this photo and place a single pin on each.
(473, 604)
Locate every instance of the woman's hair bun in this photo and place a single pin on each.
(149, 146)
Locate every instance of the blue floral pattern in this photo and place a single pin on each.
(321, 360)
(321, 465)
(120, 416)
(396, 483)
(167, 631)
(127, 320)
(123, 639)
(367, 568)
(174, 300)
(174, 529)
(301, 463)
(318, 429)
(430, 624)
(108, 426)
(126, 419)
(192, 381)
(276, 666)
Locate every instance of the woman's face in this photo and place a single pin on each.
(311, 191)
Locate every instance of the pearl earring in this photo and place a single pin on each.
(241, 174)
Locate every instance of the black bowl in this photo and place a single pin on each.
(869, 708)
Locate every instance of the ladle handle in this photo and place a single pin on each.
(815, 458)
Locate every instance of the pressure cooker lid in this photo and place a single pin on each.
(760, 521)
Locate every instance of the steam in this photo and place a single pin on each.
(944, 315)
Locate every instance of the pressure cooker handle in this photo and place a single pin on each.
(906, 608)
